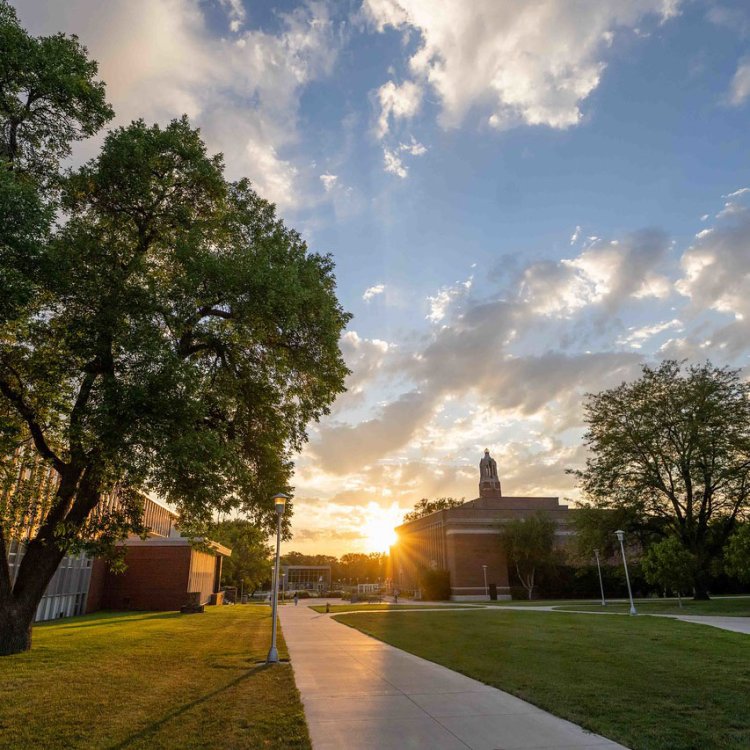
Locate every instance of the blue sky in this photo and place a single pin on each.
(525, 201)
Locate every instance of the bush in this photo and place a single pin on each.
(334, 594)
(436, 585)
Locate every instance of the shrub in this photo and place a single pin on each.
(436, 585)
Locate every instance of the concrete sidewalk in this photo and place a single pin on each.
(362, 694)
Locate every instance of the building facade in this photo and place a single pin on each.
(161, 569)
(315, 578)
(466, 540)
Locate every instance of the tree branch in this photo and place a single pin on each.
(37, 434)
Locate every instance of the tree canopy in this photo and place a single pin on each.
(528, 544)
(248, 565)
(172, 335)
(672, 449)
(425, 506)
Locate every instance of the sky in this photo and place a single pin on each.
(526, 201)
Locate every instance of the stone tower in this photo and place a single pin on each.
(489, 482)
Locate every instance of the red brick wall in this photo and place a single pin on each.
(96, 585)
(467, 553)
(156, 578)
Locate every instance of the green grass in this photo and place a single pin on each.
(151, 680)
(649, 683)
(735, 607)
(380, 607)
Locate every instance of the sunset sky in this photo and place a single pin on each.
(525, 201)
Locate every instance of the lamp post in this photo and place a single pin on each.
(486, 590)
(601, 583)
(279, 503)
(621, 536)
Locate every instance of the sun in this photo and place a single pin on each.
(379, 525)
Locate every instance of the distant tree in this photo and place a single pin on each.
(737, 553)
(424, 507)
(668, 564)
(528, 544)
(251, 554)
(673, 450)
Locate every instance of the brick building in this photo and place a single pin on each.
(465, 540)
(161, 570)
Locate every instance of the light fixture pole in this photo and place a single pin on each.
(486, 590)
(601, 583)
(279, 503)
(621, 536)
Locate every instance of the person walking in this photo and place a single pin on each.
(296, 598)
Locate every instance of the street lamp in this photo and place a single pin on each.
(279, 503)
(621, 536)
(601, 583)
(486, 590)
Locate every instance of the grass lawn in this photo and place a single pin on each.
(735, 607)
(151, 680)
(380, 607)
(650, 683)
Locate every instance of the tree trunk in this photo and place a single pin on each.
(15, 628)
(700, 585)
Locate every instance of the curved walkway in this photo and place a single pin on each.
(362, 694)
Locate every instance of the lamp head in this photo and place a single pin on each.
(620, 534)
(279, 502)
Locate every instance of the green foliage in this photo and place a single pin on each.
(169, 335)
(435, 585)
(669, 565)
(737, 553)
(425, 506)
(49, 97)
(251, 554)
(672, 449)
(528, 544)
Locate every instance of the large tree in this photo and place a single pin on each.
(175, 338)
(672, 449)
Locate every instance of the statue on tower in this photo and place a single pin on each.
(489, 482)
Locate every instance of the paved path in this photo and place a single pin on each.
(735, 624)
(362, 694)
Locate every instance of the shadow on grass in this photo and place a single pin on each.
(110, 618)
(150, 730)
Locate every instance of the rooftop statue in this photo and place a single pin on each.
(487, 466)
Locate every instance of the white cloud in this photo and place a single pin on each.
(531, 62)
(329, 181)
(235, 12)
(636, 337)
(160, 59)
(392, 163)
(373, 291)
(397, 103)
(739, 89)
(576, 235)
(444, 299)
(413, 147)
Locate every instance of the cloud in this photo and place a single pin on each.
(739, 89)
(532, 62)
(445, 297)
(397, 103)
(716, 276)
(329, 181)
(373, 291)
(604, 273)
(160, 59)
(636, 337)
(392, 163)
